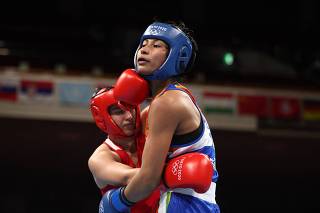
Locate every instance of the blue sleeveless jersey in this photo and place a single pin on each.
(186, 200)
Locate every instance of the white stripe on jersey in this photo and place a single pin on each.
(209, 196)
(111, 144)
(204, 140)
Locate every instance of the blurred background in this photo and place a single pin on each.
(257, 79)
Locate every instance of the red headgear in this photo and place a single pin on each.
(99, 105)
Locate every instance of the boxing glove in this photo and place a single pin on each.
(191, 170)
(130, 88)
(114, 201)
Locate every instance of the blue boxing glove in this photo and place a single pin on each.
(114, 201)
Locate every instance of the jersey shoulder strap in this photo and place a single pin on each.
(178, 86)
(125, 158)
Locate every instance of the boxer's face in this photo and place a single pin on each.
(123, 119)
(151, 55)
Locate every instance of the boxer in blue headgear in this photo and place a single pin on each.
(181, 50)
(175, 124)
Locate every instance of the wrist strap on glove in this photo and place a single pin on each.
(124, 199)
(119, 201)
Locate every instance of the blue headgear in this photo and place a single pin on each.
(180, 51)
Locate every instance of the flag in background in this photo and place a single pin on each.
(8, 89)
(219, 103)
(256, 105)
(285, 108)
(36, 91)
(76, 94)
(311, 110)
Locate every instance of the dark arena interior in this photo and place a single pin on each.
(262, 59)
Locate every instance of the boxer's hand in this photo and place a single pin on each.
(191, 170)
(130, 88)
(114, 201)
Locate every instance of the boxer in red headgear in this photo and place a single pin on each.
(115, 162)
(117, 159)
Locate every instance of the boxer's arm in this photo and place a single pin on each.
(106, 168)
(144, 115)
(163, 120)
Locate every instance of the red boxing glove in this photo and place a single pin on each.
(130, 88)
(191, 170)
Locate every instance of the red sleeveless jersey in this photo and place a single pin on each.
(149, 204)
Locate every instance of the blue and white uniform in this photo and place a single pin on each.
(186, 200)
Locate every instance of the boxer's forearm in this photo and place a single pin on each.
(141, 186)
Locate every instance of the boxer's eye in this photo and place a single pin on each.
(115, 110)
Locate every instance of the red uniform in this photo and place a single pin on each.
(148, 205)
